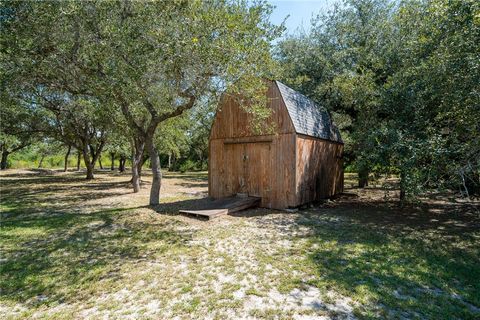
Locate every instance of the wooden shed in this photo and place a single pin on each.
(299, 163)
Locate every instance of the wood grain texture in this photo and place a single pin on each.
(284, 169)
(319, 169)
(232, 121)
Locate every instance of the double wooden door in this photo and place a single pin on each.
(249, 169)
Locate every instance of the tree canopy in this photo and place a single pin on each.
(403, 81)
(144, 61)
(141, 80)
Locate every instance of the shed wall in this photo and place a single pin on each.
(319, 169)
(268, 171)
(231, 121)
(241, 161)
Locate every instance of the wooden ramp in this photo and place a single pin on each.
(211, 209)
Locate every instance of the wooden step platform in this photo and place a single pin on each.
(211, 209)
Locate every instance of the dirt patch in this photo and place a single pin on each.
(77, 249)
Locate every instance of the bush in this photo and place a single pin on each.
(188, 165)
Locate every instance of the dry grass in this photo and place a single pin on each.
(76, 249)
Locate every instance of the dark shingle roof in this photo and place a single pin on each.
(308, 118)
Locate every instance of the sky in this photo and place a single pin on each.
(300, 11)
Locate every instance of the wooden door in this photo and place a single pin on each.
(258, 171)
(248, 170)
(235, 181)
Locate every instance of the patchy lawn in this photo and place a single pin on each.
(77, 249)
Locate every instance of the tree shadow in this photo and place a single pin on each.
(52, 247)
(413, 262)
(53, 192)
(192, 177)
(172, 208)
(192, 184)
(75, 250)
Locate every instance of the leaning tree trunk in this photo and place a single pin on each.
(3, 164)
(121, 163)
(156, 175)
(100, 161)
(65, 167)
(135, 177)
(41, 161)
(90, 164)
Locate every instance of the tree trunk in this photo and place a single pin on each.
(402, 186)
(169, 161)
(135, 177)
(174, 162)
(79, 159)
(363, 177)
(4, 163)
(41, 161)
(90, 171)
(139, 168)
(112, 156)
(137, 163)
(88, 163)
(65, 167)
(100, 161)
(121, 163)
(156, 174)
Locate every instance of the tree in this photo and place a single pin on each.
(76, 121)
(41, 63)
(403, 77)
(201, 119)
(434, 136)
(181, 51)
(339, 64)
(19, 125)
(118, 146)
(45, 148)
(67, 154)
(152, 61)
(172, 140)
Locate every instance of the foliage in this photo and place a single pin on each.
(403, 80)
(19, 125)
(148, 61)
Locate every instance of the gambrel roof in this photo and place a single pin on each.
(308, 118)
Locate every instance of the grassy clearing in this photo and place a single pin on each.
(89, 250)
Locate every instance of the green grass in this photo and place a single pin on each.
(63, 255)
(409, 269)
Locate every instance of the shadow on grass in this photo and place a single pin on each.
(190, 176)
(30, 194)
(399, 263)
(198, 184)
(52, 251)
(172, 208)
(60, 255)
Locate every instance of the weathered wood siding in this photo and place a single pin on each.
(319, 169)
(285, 169)
(231, 121)
(260, 165)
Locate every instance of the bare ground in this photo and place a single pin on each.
(77, 249)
